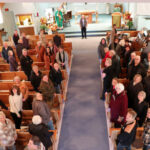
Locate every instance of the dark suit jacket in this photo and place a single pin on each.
(81, 23)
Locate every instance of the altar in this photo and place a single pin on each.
(88, 14)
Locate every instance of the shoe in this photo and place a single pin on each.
(82, 37)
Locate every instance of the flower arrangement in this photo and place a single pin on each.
(128, 20)
(52, 27)
(43, 20)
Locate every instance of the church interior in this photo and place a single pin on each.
(74, 76)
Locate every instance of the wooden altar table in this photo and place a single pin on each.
(88, 14)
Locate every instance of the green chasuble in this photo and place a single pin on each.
(59, 18)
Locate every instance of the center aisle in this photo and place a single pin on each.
(84, 122)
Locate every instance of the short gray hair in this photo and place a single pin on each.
(119, 86)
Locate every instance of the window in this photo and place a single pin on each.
(1, 17)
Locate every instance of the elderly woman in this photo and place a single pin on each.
(107, 77)
(24, 90)
(133, 89)
(37, 128)
(8, 133)
(118, 105)
(40, 50)
(12, 61)
(141, 107)
(35, 77)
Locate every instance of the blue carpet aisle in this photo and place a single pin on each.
(84, 122)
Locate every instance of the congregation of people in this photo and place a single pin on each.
(45, 87)
(131, 98)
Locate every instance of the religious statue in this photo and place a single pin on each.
(59, 18)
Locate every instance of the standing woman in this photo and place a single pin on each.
(101, 52)
(12, 61)
(15, 101)
(40, 50)
(107, 77)
(49, 58)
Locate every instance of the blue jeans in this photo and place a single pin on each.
(8, 147)
(122, 147)
(50, 125)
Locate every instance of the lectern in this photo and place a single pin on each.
(116, 19)
(1, 34)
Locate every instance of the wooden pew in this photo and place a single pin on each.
(116, 131)
(132, 33)
(35, 38)
(23, 137)
(7, 75)
(123, 73)
(4, 97)
(7, 85)
(5, 66)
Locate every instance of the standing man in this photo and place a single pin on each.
(83, 25)
(59, 18)
(112, 35)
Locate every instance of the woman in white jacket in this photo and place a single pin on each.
(15, 101)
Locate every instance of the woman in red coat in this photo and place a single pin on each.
(40, 49)
(118, 105)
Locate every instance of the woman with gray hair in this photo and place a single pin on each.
(37, 128)
(118, 105)
(7, 133)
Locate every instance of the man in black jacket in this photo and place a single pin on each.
(5, 50)
(35, 78)
(26, 63)
(15, 37)
(137, 68)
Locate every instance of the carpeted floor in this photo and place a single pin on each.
(84, 122)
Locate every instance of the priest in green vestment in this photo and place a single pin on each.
(59, 18)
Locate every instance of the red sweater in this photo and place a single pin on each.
(118, 106)
(106, 56)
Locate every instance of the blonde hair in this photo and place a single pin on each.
(143, 94)
(109, 61)
(16, 77)
(10, 52)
